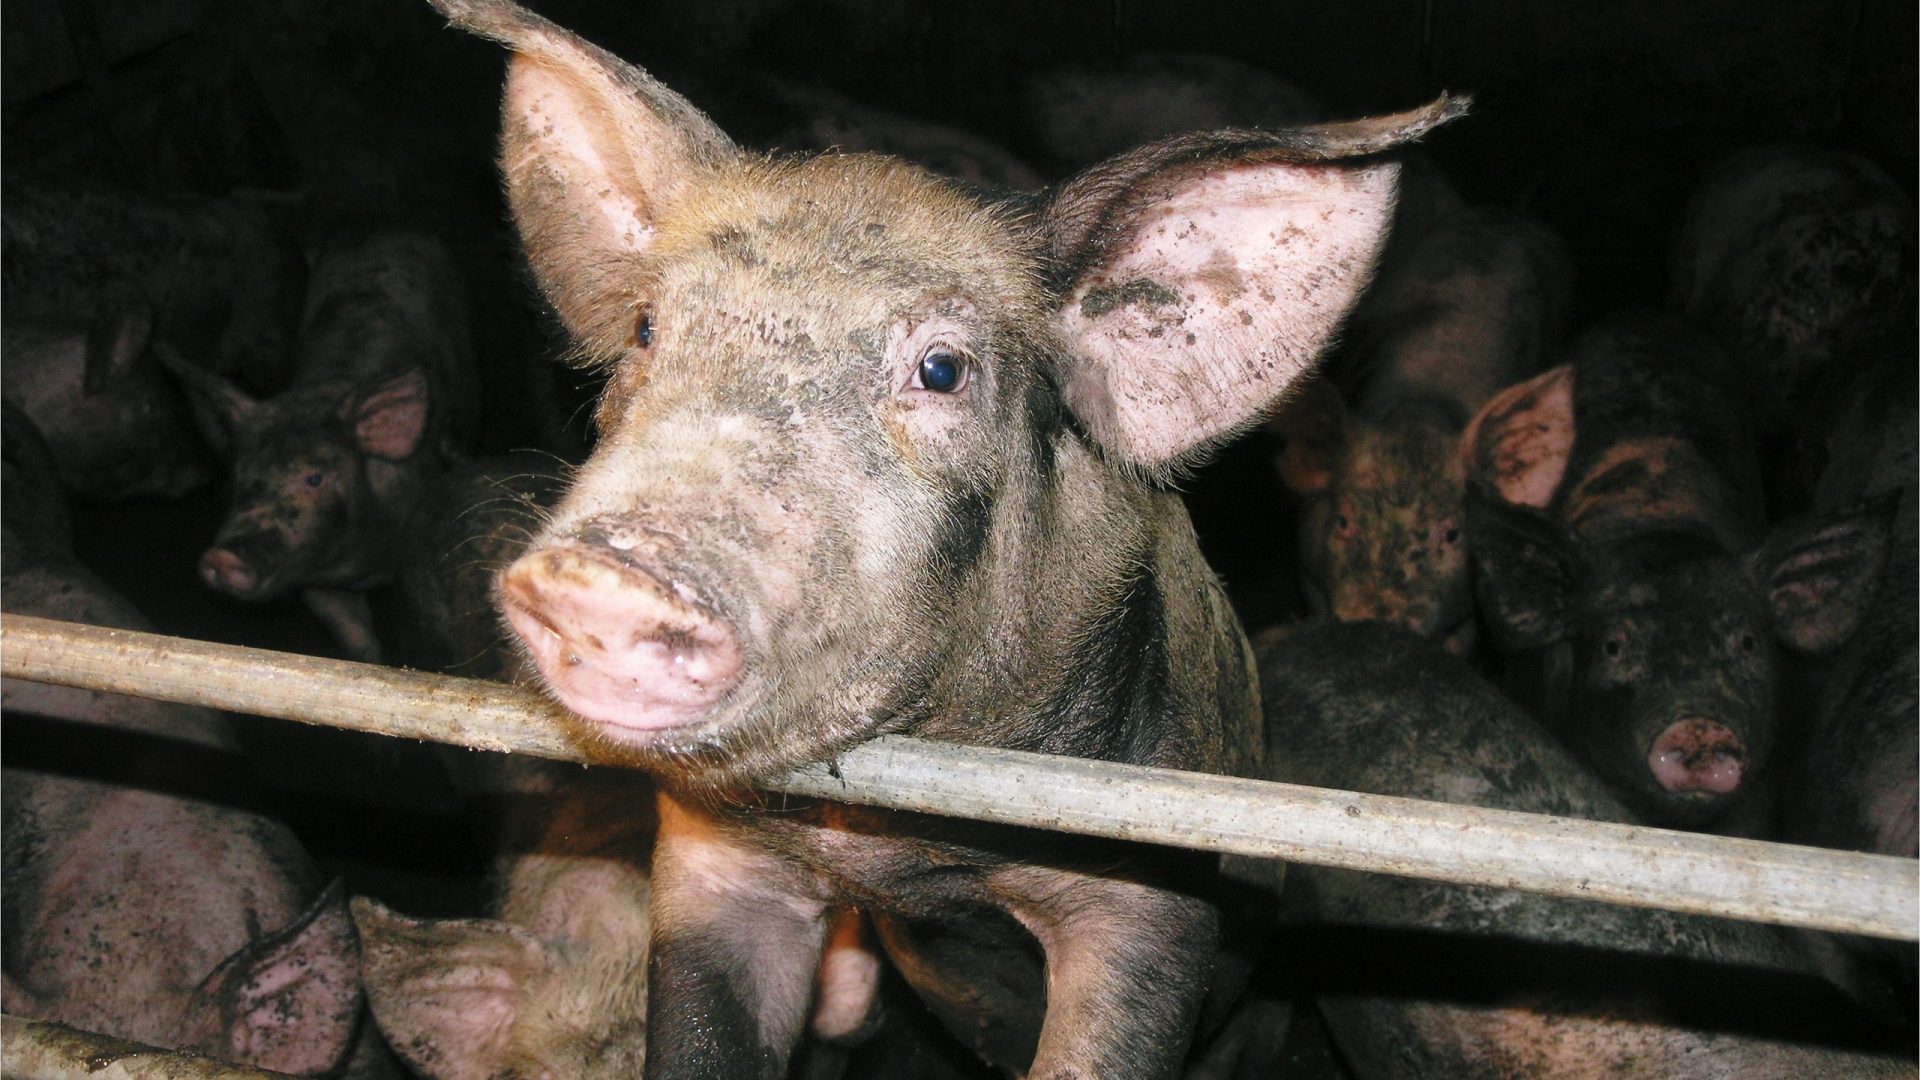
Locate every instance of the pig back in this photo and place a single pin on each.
(1473, 305)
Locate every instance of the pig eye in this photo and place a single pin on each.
(643, 328)
(1611, 648)
(941, 372)
(1748, 643)
(315, 479)
(1452, 536)
(1342, 522)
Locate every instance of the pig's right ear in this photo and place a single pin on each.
(389, 419)
(446, 992)
(219, 407)
(1314, 425)
(1204, 273)
(592, 148)
(1529, 569)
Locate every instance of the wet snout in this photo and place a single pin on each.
(616, 643)
(1698, 754)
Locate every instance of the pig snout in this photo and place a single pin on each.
(1697, 754)
(229, 572)
(617, 644)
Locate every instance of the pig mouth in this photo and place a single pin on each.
(617, 645)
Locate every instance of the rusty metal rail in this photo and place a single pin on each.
(1743, 879)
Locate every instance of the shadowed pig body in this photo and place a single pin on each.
(1422, 978)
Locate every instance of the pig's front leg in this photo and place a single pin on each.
(348, 616)
(737, 937)
(1127, 966)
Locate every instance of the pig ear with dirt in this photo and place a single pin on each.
(389, 419)
(448, 993)
(1819, 573)
(288, 1002)
(591, 149)
(1529, 569)
(1206, 272)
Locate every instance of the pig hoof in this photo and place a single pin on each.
(1697, 754)
(615, 644)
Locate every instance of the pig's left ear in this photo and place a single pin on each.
(1206, 272)
(389, 419)
(591, 148)
(288, 1002)
(1819, 574)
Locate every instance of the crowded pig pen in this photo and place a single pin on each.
(1078, 542)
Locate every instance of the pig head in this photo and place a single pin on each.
(877, 456)
(1653, 653)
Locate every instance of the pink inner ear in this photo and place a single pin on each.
(564, 126)
(1520, 440)
(390, 422)
(1225, 293)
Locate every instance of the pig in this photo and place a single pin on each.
(854, 413)
(96, 393)
(1620, 564)
(1791, 253)
(1473, 307)
(1853, 778)
(223, 277)
(145, 899)
(326, 473)
(554, 985)
(1424, 978)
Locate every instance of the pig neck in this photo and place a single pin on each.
(1099, 617)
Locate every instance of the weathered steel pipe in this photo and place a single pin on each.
(31, 1050)
(1711, 875)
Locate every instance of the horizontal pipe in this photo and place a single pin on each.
(1787, 884)
(31, 1050)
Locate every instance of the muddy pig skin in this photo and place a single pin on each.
(1473, 307)
(1426, 979)
(223, 277)
(1621, 567)
(326, 473)
(142, 900)
(1791, 253)
(854, 415)
(97, 395)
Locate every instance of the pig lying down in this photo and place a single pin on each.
(879, 457)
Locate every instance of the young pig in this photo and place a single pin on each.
(1474, 306)
(223, 277)
(326, 473)
(97, 395)
(1619, 561)
(1420, 978)
(1790, 253)
(855, 414)
(143, 899)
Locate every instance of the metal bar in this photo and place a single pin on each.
(1844, 891)
(32, 1050)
